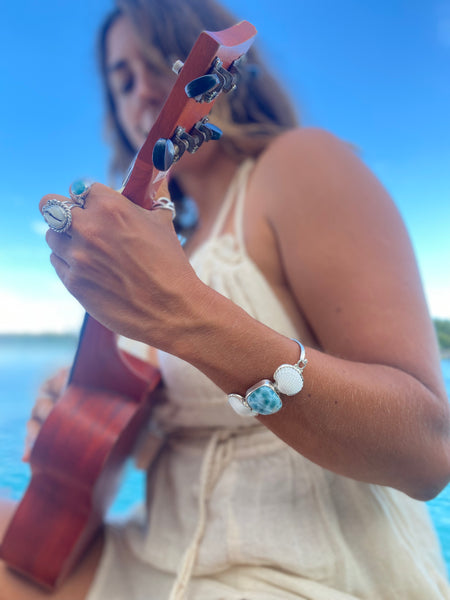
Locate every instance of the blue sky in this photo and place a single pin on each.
(375, 73)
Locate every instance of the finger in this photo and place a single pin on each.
(42, 408)
(75, 210)
(61, 267)
(43, 201)
(163, 215)
(57, 242)
(163, 193)
(55, 385)
(33, 429)
(45, 392)
(163, 190)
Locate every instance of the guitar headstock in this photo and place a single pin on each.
(182, 125)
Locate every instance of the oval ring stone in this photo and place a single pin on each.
(236, 404)
(79, 190)
(288, 379)
(79, 187)
(263, 399)
(57, 215)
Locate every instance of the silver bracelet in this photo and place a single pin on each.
(263, 397)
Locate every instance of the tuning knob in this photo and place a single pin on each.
(200, 86)
(177, 66)
(163, 154)
(210, 131)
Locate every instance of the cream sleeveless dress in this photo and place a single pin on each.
(236, 514)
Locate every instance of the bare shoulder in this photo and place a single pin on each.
(344, 250)
(311, 159)
(311, 181)
(311, 138)
(304, 139)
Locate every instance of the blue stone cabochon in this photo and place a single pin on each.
(263, 398)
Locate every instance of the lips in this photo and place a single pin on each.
(143, 128)
(146, 122)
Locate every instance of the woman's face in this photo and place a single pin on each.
(139, 93)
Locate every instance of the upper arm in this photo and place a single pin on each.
(346, 254)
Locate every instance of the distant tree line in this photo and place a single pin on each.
(443, 332)
(442, 327)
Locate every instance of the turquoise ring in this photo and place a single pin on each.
(79, 190)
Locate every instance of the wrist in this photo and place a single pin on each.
(184, 318)
(194, 322)
(228, 345)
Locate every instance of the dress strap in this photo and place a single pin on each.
(238, 183)
(241, 193)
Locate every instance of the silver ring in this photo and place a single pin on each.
(166, 204)
(58, 214)
(79, 190)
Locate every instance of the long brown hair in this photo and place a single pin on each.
(249, 117)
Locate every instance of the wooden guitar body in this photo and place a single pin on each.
(78, 458)
(79, 453)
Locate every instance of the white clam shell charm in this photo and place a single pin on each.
(238, 404)
(288, 379)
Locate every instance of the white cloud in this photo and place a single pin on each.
(439, 301)
(57, 313)
(39, 227)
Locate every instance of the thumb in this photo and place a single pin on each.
(163, 202)
(163, 190)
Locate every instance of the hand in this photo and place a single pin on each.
(46, 399)
(124, 264)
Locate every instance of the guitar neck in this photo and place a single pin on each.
(144, 180)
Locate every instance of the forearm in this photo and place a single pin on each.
(370, 422)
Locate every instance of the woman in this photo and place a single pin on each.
(295, 239)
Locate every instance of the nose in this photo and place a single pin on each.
(144, 86)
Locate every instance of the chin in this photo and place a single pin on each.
(197, 161)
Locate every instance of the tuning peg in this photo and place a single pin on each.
(177, 66)
(200, 86)
(163, 154)
(210, 131)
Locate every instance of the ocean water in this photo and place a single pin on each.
(24, 365)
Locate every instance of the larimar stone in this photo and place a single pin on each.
(263, 399)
